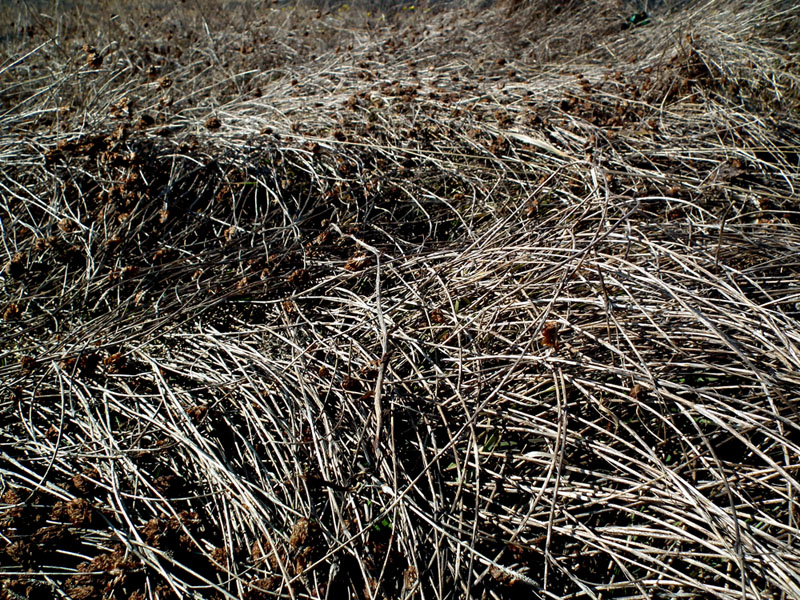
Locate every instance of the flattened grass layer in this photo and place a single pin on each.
(332, 302)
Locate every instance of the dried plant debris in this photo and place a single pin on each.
(368, 301)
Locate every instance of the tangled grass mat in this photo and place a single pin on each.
(430, 302)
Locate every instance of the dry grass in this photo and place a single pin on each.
(442, 303)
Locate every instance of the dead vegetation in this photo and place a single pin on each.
(331, 303)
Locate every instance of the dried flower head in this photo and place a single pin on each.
(114, 363)
(11, 312)
(358, 261)
(298, 278)
(550, 334)
(212, 123)
(638, 392)
(16, 266)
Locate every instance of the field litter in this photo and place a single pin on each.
(440, 302)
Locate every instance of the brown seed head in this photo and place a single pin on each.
(212, 123)
(550, 334)
(11, 312)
